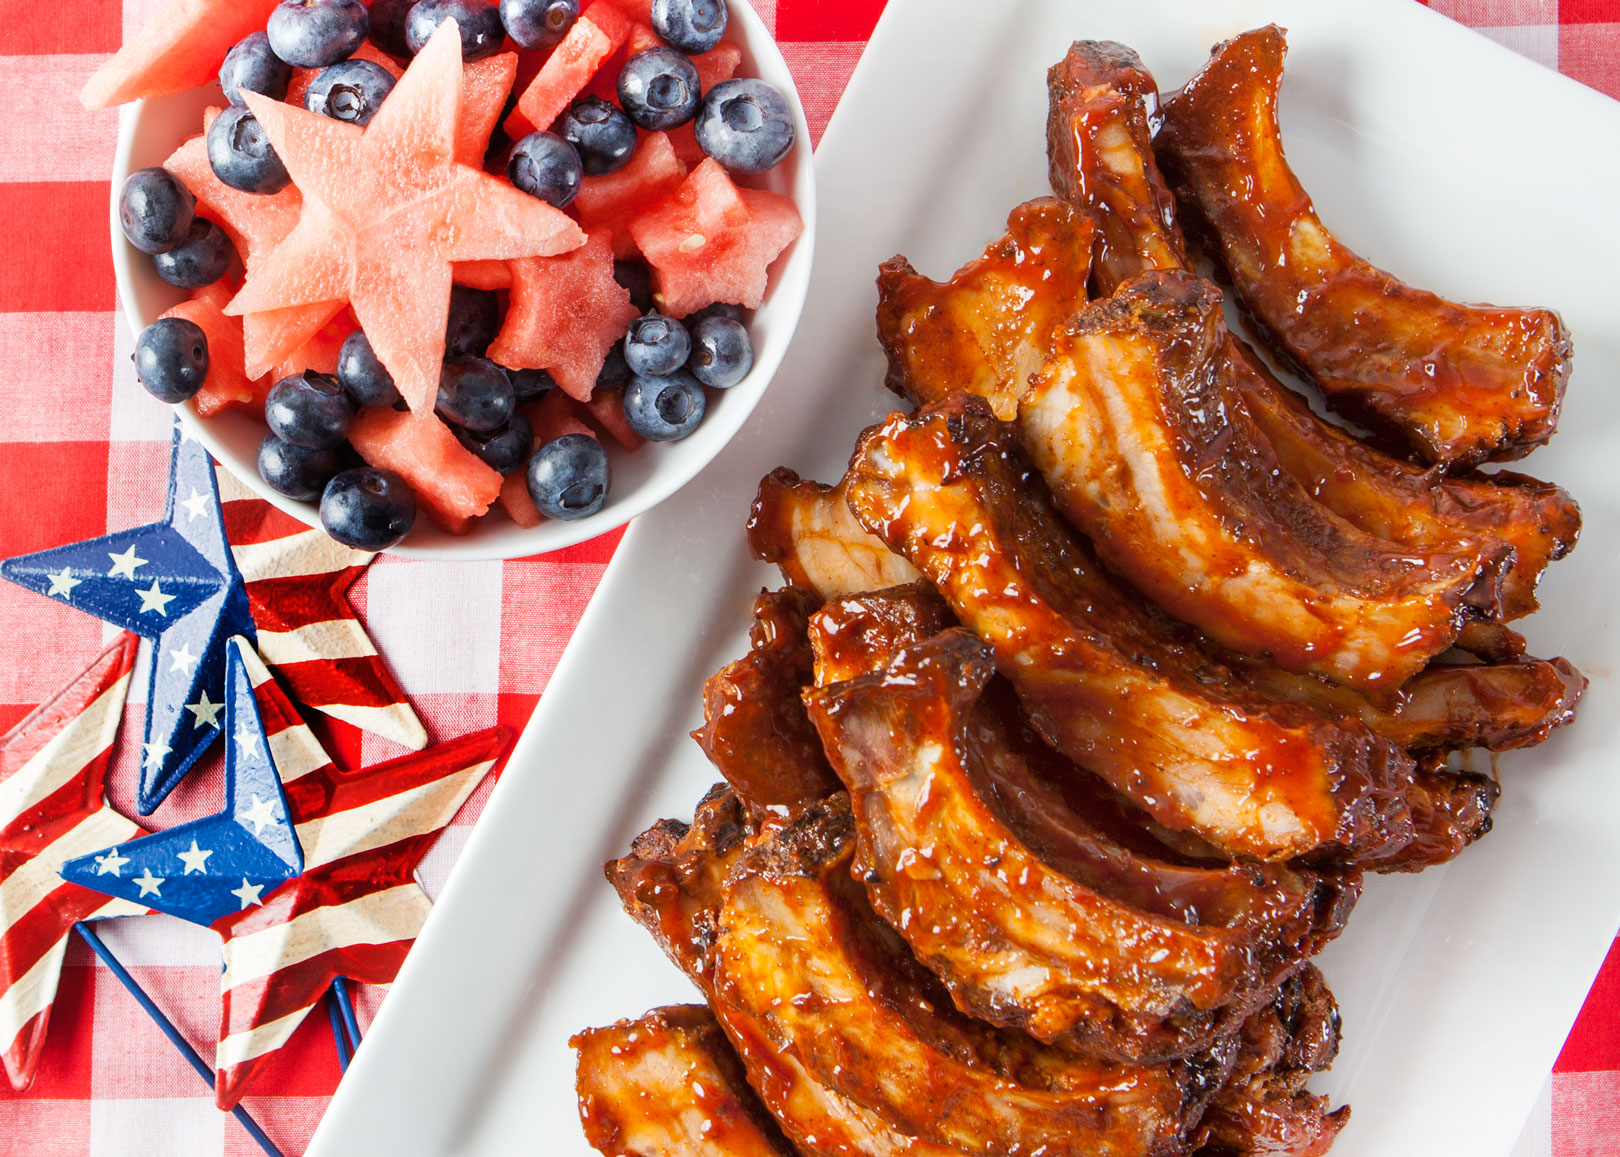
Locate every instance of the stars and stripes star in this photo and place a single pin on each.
(355, 909)
(52, 808)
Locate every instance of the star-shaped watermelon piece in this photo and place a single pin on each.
(387, 210)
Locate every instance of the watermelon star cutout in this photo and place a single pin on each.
(387, 210)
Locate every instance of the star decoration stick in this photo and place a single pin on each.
(52, 766)
(355, 910)
(296, 579)
(173, 582)
(386, 211)
(209, 868)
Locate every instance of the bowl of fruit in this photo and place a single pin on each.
(459, 278)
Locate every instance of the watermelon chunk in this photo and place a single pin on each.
(599, 31)
(272, 336)
(180, 47)
(565, 315)
(711, 241)
(452, 486)
(482, 274)
(683, 139)
(551, 417)
(638, 10)
(608, 202)
(227, 385)
(641, 38)
(255, 222)
(485, 86)
(606, 409)
(320, 352)
(717, 64)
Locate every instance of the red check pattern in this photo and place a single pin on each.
(82, 452)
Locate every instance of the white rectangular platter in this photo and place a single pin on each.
(1439, 155)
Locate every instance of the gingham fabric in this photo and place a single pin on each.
(83, 450)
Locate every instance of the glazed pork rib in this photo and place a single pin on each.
(1080, 942)
(807, 530)
(668, 1083)
(988, 334)
(1122, 188)
(1149, 449)
(1453, 383)
(1198, 753)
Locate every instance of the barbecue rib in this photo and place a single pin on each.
(1080, 942)
(1148, 449)
(1195, 750)
(989, 332)
(667, 1083)
(807, 530)
(755, 730)
(1453, 383)
(1122, 188)
(802, 953)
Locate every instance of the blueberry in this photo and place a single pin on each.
(474, 393)
(480, 21)
(316, 33)
(745, 124)
(388, 26)
(368, 509)
(251, 65)
(361, 373)
(716, 309)
(240, 153)
(690, 25)
(155, 209)
(538, 23)
(659, 89)
(722, 353)
(530, 385)
(475, 319)
(637, 278)
(569, 477)
(656, 345)
(201, 259)
(350, 91)
(614, 374)
(503, 450)
(604, 136)
(171, 359)
(309, 410)
(296, 471)
(665, 408)
(544, 165)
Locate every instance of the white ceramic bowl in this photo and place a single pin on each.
(150, 130)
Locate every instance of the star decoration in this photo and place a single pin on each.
(52, 765)
(206, 713)
(355, 909)
(387, 209)
(253, 840)
(62, 583)
(173, 582)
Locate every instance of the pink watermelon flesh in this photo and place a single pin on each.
(320, 352)
(566, 313)
(683, 139)
(718, 64)
(608, 201)
(711, 241)
(227, 386)
(452, 486)
(272, 336)
(485, 86)
(482, 274)
(606, 409)
(180, 47)
(551, 417)
(255, 222)
(639, 11)
(600, 29)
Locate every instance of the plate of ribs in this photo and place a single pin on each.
(1135, 695)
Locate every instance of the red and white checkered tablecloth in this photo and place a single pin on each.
(83, 452)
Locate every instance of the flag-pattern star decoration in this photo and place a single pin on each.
(175, 583)
(209, 868)
(296, 578)
(52, 808)
(353, 911)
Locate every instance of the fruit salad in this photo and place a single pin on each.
(448, 248)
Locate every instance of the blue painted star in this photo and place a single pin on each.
(173, 582)
(211, 867)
